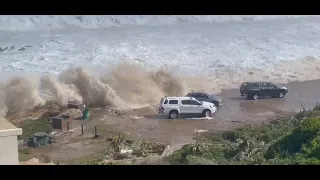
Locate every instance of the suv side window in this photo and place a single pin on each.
(185, 102)
(195, 95)
(254, 85)
(271, 85)
(173, 102)
(166, 101)
(195, 102)
(264, 85)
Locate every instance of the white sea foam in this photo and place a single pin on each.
(223, 50)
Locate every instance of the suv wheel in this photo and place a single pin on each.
(255, 96)
(206, 113)
(173, 114)
(216, 103)
(281, 94)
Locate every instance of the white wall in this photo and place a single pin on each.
(9, 150)
(9, 143)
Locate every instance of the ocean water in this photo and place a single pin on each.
(226, 50)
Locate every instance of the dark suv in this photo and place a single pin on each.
(255, 90)
(202, 96)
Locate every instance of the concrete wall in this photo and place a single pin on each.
(9, 143)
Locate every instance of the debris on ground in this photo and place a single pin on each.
(72, 112)
(200, 130)
(137, 117)
(170, 149)
(146, 111)
(35, 161)
(201, 118)
(18, 118)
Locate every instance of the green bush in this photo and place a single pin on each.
(310, 126)
(180, 157)
(275, 129)
(312, 149)
(308, 161)
(196, 160)
(284, 141)
(29, 127)
(231, 136)
(292, 142)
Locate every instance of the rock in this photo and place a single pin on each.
(126, 151)
(22, 49)
(151, 128)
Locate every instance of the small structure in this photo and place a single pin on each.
(62, 122)
(71, 105)
(40, 139)
(9, 143)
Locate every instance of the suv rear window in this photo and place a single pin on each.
(253, 85)
(244, 84)
(173, 102)
(165, 102)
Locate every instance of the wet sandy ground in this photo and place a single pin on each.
(236, 111)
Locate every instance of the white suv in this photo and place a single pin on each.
(173, 106)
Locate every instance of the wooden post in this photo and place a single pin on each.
(95, 132)
(81, 129)
(68, 126)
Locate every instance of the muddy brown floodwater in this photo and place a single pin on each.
(236, 111)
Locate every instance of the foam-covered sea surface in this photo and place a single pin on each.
(225, 50)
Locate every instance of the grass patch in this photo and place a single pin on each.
(283, 141)
(24, 154)
(29, 127)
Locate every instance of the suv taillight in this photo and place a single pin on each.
(161, 109)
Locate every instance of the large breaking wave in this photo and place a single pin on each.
(126, 86)
(221, 57)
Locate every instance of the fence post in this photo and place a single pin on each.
(68, 126)
(81, 129)
(95, 132)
